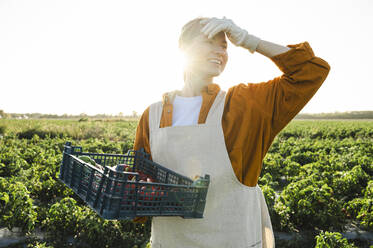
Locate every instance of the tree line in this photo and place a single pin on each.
(81, 116)
(134, 115)
(338, 115)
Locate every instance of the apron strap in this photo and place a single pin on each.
(155, 114)
(216, 111)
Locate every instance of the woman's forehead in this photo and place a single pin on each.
(218, 37)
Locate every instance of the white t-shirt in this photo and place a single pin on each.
(186, 110)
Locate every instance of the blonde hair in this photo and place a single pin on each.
(189, 31)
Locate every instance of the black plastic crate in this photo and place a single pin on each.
(121, 195)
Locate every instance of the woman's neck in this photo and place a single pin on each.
(193, 84)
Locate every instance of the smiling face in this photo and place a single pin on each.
(206, 57)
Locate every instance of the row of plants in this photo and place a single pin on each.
(320, 182)
(316, 186)
(33, 199)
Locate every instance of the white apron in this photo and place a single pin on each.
(235, 215)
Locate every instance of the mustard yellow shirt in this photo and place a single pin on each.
(254, 113)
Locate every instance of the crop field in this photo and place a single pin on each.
(317, 179)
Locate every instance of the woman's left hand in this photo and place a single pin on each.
(235, 34)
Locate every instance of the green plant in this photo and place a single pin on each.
(332, 240)
(2, 130)
(361, 209)
(350, 183)
(16, 206)
(97, 232)
(38, 245)
(63, 218)
(308, 203)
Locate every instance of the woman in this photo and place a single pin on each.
(203, 130)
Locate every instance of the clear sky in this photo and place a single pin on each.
(87, 56)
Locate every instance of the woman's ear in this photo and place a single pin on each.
(186, 59)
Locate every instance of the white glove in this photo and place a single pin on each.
(235, 34)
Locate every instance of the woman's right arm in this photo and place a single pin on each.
(142, 133)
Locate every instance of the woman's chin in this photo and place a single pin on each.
(207, 72)
(215, 73)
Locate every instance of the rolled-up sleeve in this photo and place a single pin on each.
(256, 112)
(283, 97)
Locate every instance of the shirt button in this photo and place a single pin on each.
(168, 111)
